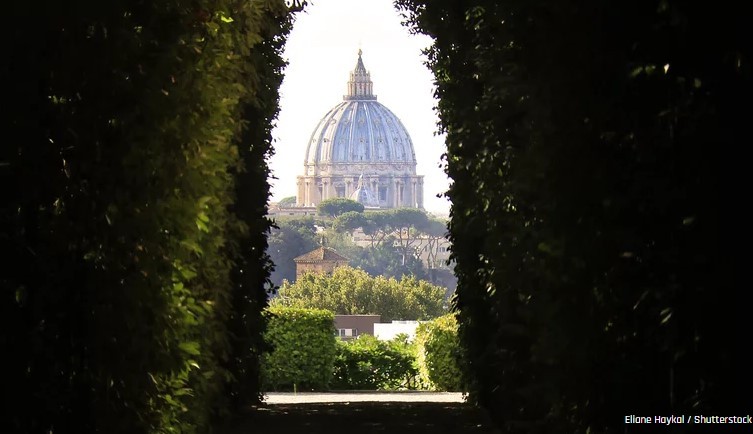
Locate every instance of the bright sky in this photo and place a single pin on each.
(321, 50)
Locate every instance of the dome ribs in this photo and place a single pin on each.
(360, 132)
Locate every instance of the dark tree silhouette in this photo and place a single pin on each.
(586, 143)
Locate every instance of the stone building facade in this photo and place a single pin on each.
(321, 260)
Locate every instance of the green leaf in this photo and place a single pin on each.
(191, 348)
(192, 246)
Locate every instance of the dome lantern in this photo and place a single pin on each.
(360, 86)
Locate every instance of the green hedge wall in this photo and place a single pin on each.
(367, 363)
(303, 349)
(134, 196)
(439, 354)
(590, 145)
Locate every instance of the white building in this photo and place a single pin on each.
(388, 331)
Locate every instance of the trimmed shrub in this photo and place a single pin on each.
(367, 363)
(303, 349)
(439, 354)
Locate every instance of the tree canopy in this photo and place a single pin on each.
(349, 221)
(350, 291)
(387, 261)
(338, 205)
(287, 201)
(407, 229)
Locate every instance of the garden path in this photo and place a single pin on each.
(364, 413)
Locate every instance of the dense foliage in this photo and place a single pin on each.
(350, 291)
(303, 349)
(585, 142)
(134, 193)
(251, 271)
(439, 355)
(366, 363)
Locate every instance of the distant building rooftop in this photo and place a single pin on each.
(321, 260)
(321, 254)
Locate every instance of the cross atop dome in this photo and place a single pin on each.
(360, 86)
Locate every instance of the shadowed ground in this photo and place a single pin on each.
(364, 417)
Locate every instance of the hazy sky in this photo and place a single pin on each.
(322, 49)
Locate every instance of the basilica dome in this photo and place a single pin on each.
(360, 130)
(361, 147)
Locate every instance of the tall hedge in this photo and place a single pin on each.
(270, 21)
(303, 349)
(134, 192)
(589, 144)
(439, 355)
